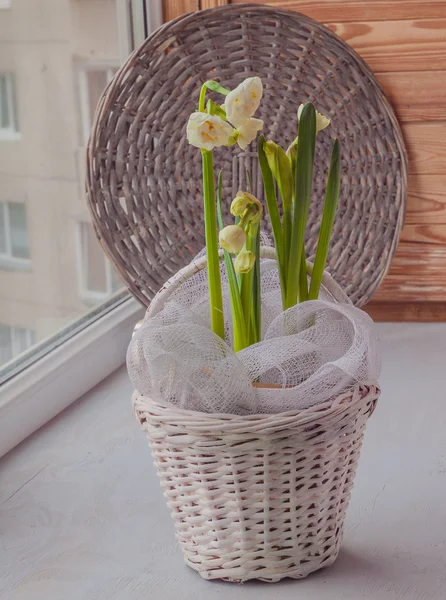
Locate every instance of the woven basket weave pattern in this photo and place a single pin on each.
(260, 497)
(144, 179)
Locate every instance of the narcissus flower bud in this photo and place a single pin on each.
(244, 262)
(248, 207)
(239, 204)
(232, 238)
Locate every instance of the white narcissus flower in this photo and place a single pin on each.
(248, 132)
(232, 238)
(242, 103)
(321, 120)
(208, 131)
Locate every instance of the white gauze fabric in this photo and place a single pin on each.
(308, 354)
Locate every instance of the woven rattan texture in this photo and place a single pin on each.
(144, 180)
(258, 497)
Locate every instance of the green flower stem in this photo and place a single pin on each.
(303, 182)
(328, 216)
(238, 319)
(248, 181)
(271, 202)
(202, 98)
(210, 223)
(256, 306)
(210, 85)
(216, 87)
(247, 279)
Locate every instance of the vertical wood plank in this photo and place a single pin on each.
(175, 8)
(361, 10)
(213, 3)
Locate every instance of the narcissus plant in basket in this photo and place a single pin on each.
(260, 321)
(254, 374)
(288, 171)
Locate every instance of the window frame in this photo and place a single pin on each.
(7, 259)
(58, 371)
(87, 295)
(13, 132)
(84, 101)
(14, 338)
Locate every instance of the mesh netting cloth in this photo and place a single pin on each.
(308, 354)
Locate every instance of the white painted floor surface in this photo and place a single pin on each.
(82, 516)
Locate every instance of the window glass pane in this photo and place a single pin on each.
(47, 48)
(5, 343)
(3, 248)
(96, 80)
(116, 283)
(22, 339)
(95, 276)
(5, 121)
(18, 231)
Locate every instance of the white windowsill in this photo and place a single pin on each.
(83, 514)
(66, 371)
(6, 135)
(10, 263)
(94, 298)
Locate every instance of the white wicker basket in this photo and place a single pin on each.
(260, 496)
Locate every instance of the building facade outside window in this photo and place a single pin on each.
(13, 341)
(9, 127)
(14, 240)
(55, 60)
(97, 277)
(93, 79)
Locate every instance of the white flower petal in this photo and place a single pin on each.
(321, 120)
(242, 103)
(207, 131)
(248, 132)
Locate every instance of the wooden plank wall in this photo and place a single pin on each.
(404, 42)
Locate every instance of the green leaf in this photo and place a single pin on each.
(280, 166)
(271, 202)
(328, 217)
(238, 320)
(303, 181)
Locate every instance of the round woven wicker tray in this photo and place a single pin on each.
(144, 180)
